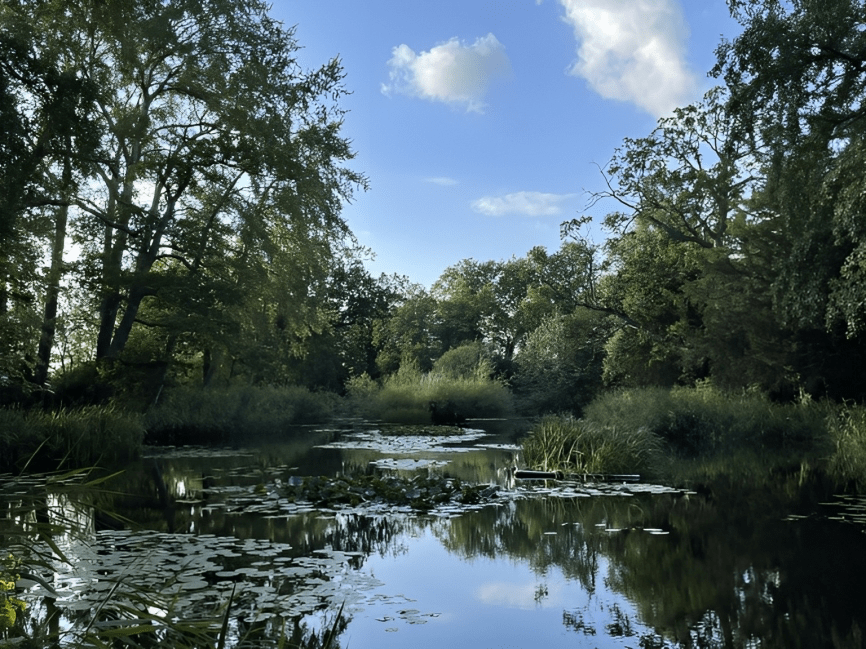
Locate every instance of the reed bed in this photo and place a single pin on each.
(846, 427)
(37, 440)
(197, 415)
(563, 443)
(705, 420)
(408, 396)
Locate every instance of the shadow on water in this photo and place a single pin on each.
(780, 563)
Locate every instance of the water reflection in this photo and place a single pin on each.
(546, 566)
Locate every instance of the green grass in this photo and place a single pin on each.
(705, 420)
(68, 439)
(405, 397)
(846, 428)
(199, 415)
(709, 433)
(570, 445)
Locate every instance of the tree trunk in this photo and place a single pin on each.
(121, 334)
(52, 290)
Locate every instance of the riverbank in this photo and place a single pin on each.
(665, 435)
(683, 434)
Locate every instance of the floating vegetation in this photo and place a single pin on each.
(403, 430)
(851, 509)
(395, 464)
(174, 452)
(191, 577)
(376, 440)
(419, 493)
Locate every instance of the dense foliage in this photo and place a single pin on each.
(199, 173)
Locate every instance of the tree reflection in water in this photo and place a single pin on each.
(730, 572)
(724, 568)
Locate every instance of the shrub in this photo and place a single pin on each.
(466, 361)
(567, 444)
(196, 415)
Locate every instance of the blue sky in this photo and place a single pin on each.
(481, 123)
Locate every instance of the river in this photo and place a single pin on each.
(188, 533)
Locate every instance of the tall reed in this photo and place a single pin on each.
(194, 415)
(846, 427)
(706, 420)
(407, 397)
(563, 443)
(68, 438)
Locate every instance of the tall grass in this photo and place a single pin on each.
(846, 427)
(68, 439)
(194, 415)
(714, 433)
(567, 444)
(705, 420)
(406, 396)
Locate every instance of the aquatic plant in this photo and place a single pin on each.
(704, 419)
(846, 427)
(563, 443)
(115, 588)
(10, 606)
(196, 415)
(406, 397)
(420, 493)
(68, 438)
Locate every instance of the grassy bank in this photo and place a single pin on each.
(411, 397)
(703, 431)
(68, 438)
(195, 415)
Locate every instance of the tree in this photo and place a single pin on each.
(466, 299)
(688, 178)
(499, 303)
(797, 77)
(691, 263)
(213, 215)
(47, 141)
(408, 337)
(559, 366)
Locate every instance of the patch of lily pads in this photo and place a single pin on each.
(411, 439)
(419, 493)
(189, 577)
(404, 430)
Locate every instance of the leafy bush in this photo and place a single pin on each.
(559, 365)
(571, 445)
(68, 438)
(466, 361)
(195, 415)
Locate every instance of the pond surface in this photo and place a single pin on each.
(522, 564)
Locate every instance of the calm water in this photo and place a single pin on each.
(542, 565)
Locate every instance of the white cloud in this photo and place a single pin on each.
(450, 72)
(520, 595)
(633, 51)
(442, 180)
(527, 203)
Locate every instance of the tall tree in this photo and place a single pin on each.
(47, 143)
(691, 260)
(215, 204)
(797, 76)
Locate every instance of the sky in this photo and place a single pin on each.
(482, 125)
